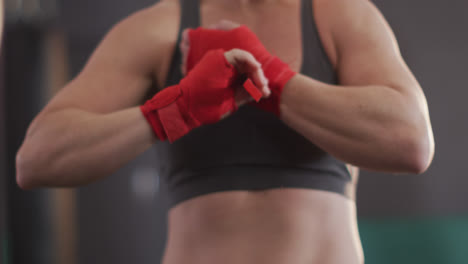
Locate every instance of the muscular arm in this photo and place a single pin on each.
(92, 126)
(377, 118)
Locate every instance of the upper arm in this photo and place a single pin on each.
(366, 54)
(365, 48)
(121, 69)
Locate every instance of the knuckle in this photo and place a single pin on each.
(236, 50)
(250, 56)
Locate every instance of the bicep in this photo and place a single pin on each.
(367, 51)
(117, 75)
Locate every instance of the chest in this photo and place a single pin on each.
(277, 26)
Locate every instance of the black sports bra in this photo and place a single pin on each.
(252, 149)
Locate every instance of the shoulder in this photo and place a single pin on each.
(337, 19)
(148, 35)
(152, 23)
(334, 12)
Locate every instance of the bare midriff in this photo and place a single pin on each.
(276, 226)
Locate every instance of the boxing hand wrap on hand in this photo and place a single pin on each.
(204, 96)
(277, 72)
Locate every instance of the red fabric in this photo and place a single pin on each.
(252, 89)
(152, 117)
(202, 97)
(175, 125)
(203, 40)
(277, 72)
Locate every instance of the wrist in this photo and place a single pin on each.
(202, 97)
(152, 117)
(278, 74)
(287, 95)
(167, 115)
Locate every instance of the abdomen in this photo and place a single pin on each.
(275, 226)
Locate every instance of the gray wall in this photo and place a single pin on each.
(28, 215)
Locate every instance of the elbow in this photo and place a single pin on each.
(24, 177)
(29, 172)
(417, 154)
(417, 162)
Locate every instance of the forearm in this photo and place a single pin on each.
(73, 147)
(374, 127)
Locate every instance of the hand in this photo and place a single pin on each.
(247, 67)
(243, 61)
(228, 35)
(205, 95)
(184, 46)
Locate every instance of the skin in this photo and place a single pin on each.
(375, 118)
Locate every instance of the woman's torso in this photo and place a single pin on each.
(274, 226)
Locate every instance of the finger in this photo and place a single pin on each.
(184, 52)
(246, 63)
(185, 34)
(249, 65)
(185, 38)
(184, 49)
(225, 25)
(214, 26)
(260, 81)
(228, 24)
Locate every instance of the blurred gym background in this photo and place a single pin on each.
(402, 219)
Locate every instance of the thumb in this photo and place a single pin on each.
(224, 25)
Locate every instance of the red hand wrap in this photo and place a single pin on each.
(277, 72)
(202, 97)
